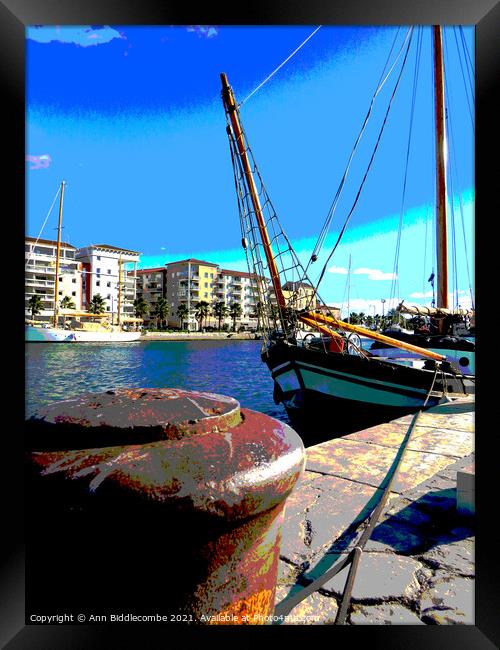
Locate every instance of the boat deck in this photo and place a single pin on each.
(418, 566)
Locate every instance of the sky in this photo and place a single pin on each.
(131, 118)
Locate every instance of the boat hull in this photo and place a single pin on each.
(460, 352)
(58, 335)
(47, 335)
(313, 385)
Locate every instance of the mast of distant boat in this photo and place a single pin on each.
(441, 154)
(58, 253)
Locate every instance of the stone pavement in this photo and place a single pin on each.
(418, 566)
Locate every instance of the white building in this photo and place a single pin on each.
(40, 275)
(101, 263)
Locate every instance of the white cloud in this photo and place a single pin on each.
(338, 269)
(83, 35)
(419, 294)
(375, 274)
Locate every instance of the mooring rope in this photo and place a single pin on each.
(353, 557)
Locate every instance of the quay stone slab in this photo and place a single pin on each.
(457, 557)
(313, 610)
(380, 577)
(385, 614)
(369, 464)
(448, 599)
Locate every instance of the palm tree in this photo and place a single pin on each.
(274, 314)
(161, 310)
(202, 310)
(67, 303)
(97, 305)
(258, 313)
(235, 312)
(35, 304)
(183, 313)
(141, 307)
(220, 311)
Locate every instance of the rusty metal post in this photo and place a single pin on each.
(158, 501)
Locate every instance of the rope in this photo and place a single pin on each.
(369, 166)
(395, 280)
(280, 66)
(30, 255)
(326, 226)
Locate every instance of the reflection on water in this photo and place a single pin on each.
(56, 371)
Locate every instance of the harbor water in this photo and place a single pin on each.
(57, 371)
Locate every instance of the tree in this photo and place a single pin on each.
(35, 304)
(141, 307)
(67, 303)
(97, 305)
(274, 314)
(235, 312)
(183, 313)
(220, 311)
(258, 313)
(161, 311)
(202, 310)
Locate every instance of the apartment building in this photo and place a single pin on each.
(105, 273)
(40, 275)
(246, 289)
(151, 285)
(188, 282)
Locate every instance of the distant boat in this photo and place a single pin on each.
(77, 331)
(330, 377)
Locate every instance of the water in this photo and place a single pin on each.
(56, 371)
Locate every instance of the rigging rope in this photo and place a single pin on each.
(369, 164)
(395, 278)
(331, 211)
(30, 255)
(280, 66)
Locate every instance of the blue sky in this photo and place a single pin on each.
(131, 118)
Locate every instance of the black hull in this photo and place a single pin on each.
(335, 394)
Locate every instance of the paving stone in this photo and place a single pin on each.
(316, 609)
(385, 614)
(380, 576)
(448, 600)
(458, 557)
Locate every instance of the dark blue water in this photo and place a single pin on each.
(56, 371)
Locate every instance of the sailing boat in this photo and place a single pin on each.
(78, 331)
(330, 376)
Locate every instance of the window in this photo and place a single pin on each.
(206, 286)
(98, 270)
(60, 293)
(98, 258)
(60, 279)
(206, 275)
(98, 284)
(107, 309)
(108, 284)
(73, 280)
(109, 270)
(211, 275)
(73, 293)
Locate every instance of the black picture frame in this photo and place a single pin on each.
(15, 15)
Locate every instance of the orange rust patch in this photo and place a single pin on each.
(247, 611)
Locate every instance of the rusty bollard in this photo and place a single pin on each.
(158, 501)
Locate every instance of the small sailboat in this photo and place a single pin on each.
(94, 328)
(330, 377)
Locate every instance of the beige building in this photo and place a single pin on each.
(189, 282)
(151, 285)
(40, 275)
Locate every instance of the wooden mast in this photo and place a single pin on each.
(231, 109)
(58, 254)
(441, 155)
